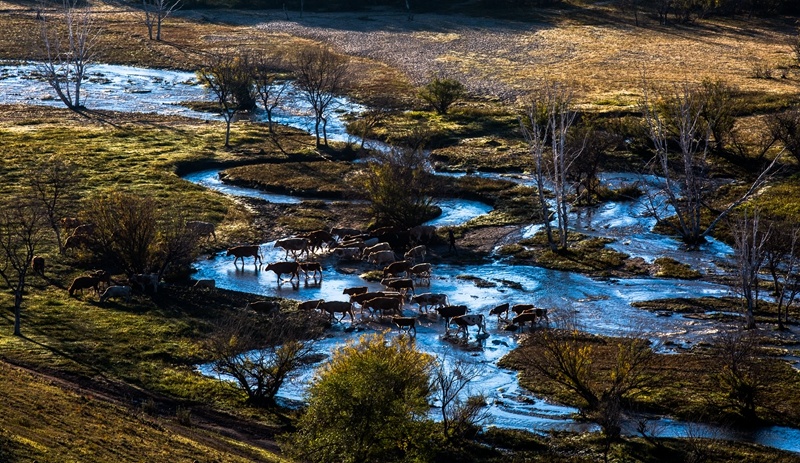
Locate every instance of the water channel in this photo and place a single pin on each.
(601, 306)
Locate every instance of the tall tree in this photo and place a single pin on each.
(155, 12)
(22, 224)
(750, 238)
(546, 127)
(321, 75)
(68, 38)
(269, 88)
(676, 120)
(229, 78)
(53, 183)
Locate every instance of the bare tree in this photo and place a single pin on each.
(21, 225)
(260, 355)
(750, 241)
(546, 127)
(782, 262)
(740, 372)
(785, 127)
(53, 184)
(677, 119)
(155, 12)
(564, 357)
(229, 78)
(321, 75)
(68, 39)
(269, 87)
(460, 412)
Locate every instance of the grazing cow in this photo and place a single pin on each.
(416, 254)
(297, 246)
(116, 291)
(313, 267)
(207, 284)
(355, 290)
(381, 258)
(422, 271)
(240, 252)
(520, 308)
(378, 247)
(500, 310)
(103, 276)
(83, 282)
(37, 264)
(383, 304)
(334, 307)
(263, 306)
(281, 268)
(421, 234)
(400, 285)
(429, 299)
(396, 268)
(146, 281)
(523, 318)
(202, 229)
(465, 321)
(406, 324)
(450, 311)
(309, 305)
(540, 314)
(347, 253)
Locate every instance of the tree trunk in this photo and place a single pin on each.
(17, 312)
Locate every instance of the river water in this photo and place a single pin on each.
(601, 306)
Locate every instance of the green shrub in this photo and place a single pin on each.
(442, 93)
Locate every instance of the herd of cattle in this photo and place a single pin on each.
(400, 276)
(381, 248)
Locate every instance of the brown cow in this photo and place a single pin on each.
(450, 311)
(334, 307)
(297, 246)
(355, 290)
(383, 304)
(37, 264)
(281, 268)
(104, 276)
(500, 310)
(519, 308)
(405, 323)
(400, 285)
(421, 271)
(381, 258)
(309, 305)
(416, 254)
(83, 282)
(313, 267)
(318, 238)
(343, 232)
(263, 306)
(429, 299)
(201, 229)
(77, 241)
(523, 318)
(396, 268)
(465, 321)
(240, 252)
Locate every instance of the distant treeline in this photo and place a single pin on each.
(671, 10)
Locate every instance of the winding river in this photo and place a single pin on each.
(601, 306)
